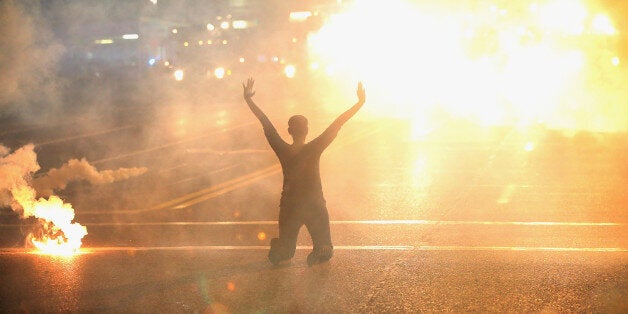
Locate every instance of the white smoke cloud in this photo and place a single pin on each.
(29, 54)
(18, 189)
(80, 170)
(15, 173)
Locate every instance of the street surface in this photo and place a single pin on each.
(463, 218)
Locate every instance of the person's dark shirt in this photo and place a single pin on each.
(300, 166)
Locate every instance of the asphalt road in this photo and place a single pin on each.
(465, 218)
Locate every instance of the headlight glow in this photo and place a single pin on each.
(290, 71)
(178, 75)
(219, 73)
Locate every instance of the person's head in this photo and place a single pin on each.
(297, 126)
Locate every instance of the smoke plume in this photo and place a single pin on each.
(15, 173)
(80, 170)
(56, 233)
(29, 55)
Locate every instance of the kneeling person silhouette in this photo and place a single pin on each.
(302, 201)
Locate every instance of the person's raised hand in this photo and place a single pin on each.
(248, 88)
(361, 93)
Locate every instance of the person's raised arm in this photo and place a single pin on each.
(329, 134)
(345, 116)
(248, 97)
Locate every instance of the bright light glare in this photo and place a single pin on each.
(565, 16)
(602, 24)
(130, 36)
(103, 41)
(529, 147)
(300, 16)
(515, 63)
(290, 71)
(240, 24)
(178, 75)
(219, 72)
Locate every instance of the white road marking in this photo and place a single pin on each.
(352, 222)
(364, 222)
(87, 250)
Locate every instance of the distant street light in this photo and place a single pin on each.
(130, 36)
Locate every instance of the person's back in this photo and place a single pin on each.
(300, 162)
(302, 201)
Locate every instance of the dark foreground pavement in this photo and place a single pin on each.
(356, 280)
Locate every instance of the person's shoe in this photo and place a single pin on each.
(320, 255)
(276, 255)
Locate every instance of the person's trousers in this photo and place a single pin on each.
(313, 215)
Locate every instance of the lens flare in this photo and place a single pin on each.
(501, 63)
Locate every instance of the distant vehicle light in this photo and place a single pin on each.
(242, 60)
(219, 72)
(185, 44)
(210, 27)
(224, 25)
(174, 30)
(240, 24)
(130, 36)
(103, 41)
(151, 61)
(178, 75)
(290, 71)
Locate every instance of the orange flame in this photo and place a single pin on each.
(58, 235)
